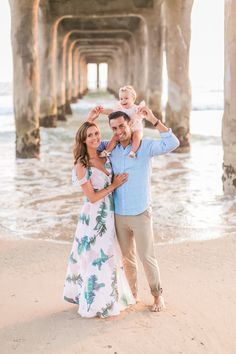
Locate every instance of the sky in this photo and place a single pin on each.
(207, 44)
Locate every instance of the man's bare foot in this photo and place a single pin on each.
(159, 304)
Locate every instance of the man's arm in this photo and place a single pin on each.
(167, 142)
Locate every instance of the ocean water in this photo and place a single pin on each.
(38, 200)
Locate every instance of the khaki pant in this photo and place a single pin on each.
(136, 232)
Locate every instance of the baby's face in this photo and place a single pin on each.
(126, 99)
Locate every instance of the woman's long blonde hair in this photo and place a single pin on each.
(80, 148)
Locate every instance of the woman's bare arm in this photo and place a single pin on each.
(87, 187)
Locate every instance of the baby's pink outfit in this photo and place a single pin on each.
(136, 119)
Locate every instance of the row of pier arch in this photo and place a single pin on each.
(53, 41)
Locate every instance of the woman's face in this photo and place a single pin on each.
(93, 138)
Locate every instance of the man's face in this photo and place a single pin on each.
(121, 129)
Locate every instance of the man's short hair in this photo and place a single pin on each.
(118, 114)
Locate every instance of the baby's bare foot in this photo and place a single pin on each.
(104, 153)
(132, 155)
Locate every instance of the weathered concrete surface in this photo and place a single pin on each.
(61, 73)
(75, 74)
(154, 62)
(82, 76)
(47, 54)
(229, 117)
(178, 34)
(24, 34)
(136, 59)
(101, 7)
(130, 29)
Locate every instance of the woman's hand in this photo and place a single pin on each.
(94, 113)
(119, 180)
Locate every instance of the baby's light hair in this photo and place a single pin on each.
(130, 89)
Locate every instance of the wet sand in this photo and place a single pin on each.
(199, 286)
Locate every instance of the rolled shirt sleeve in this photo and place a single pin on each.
(166, 143)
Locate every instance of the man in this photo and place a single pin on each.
(133, 215)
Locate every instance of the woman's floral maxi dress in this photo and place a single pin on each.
(95, 277)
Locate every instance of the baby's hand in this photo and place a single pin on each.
(141, 105)
(106, 111)
(94, 113)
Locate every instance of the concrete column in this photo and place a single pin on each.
(71, 71)
(123, 75)
(98, 78)
(109, 76)
(112, 80)
(144, 56)
(118, 72)
(178, 34)
(47, 40)
(68, 76)
(85, 69)
(154, 60)
(61, 86)
(132, 68)
(75, 75)
(229, 117)
(82, 76)
(24, 30)
(117, 76)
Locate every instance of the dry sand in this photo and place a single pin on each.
(199, 281)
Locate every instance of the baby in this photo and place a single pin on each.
(127, 97)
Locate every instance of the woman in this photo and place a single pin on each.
(95, 277)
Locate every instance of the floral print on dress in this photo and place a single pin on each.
(95, 278)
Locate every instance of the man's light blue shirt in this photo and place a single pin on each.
(134, 196)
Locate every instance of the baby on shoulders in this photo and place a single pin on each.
(127, 98)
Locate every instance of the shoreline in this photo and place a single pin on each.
(198, 281)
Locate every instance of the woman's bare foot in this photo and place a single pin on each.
(159, 304)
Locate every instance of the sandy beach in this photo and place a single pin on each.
(200, 292)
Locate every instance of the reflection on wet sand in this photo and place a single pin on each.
(37, 199)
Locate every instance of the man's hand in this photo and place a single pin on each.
(94, 113)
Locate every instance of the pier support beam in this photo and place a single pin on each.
(155, 60)
(229, 117)
(24, 29)
(48, 100)
(178, 34)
